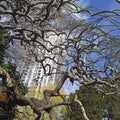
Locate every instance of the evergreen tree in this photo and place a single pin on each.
(92, 102)
(97, 106)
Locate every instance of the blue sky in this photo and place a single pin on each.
(102, 4)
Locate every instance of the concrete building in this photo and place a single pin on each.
(33, 72)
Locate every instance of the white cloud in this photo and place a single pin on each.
(82, 3)
(4, 18)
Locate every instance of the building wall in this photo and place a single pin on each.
(34, 74)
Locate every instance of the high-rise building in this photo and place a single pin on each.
(33, 72)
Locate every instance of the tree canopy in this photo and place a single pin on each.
(89, 47)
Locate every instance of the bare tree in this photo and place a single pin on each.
(90, 46)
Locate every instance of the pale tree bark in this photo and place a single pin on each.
(89, 48)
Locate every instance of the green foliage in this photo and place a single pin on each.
(112, 107)
(112, 110)
(97, 106)
(7, 115)
(4, 43)
(92, 102)
(11, 69)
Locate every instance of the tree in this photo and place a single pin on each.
(92, 102)
(97, 106)
(84, 46)
(7, 111)
(118, 1)
(112, 107)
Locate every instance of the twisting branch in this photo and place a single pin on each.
(37, 105)
(86, 47)
(82, 108)
(7, 81)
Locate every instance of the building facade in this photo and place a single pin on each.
(33, 72)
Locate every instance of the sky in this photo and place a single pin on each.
(100, 5)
